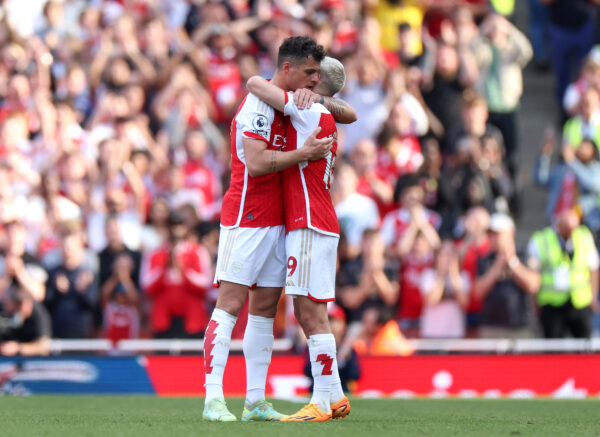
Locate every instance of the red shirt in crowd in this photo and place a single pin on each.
(225, 83)
(469, 265)
(410, 302)
(121, 322)
(364, 187)
(203, 179)
(178, 292)
(408, 160)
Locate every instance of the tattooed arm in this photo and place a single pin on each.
(261, 161)
(341, 111)
(272, 95)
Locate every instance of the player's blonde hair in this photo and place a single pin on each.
(333, 75)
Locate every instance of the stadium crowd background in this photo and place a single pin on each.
(114, 157)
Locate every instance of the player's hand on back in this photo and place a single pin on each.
(316, 149)
(304, 98)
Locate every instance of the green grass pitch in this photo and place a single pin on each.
(148, 416)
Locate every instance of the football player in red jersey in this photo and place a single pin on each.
(252, 244)
(312, 236)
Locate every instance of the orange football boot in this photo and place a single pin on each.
(340, 409)
(309, 413)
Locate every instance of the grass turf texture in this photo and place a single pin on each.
(154, 416)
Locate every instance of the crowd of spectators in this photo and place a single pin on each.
(114, 157)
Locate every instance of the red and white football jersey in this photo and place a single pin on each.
(254, 202)
(306, 195)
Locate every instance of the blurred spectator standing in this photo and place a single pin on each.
(156, 231)
(18, 267)
(410, 235)
(411, 216)
(355, 212)
(502, 53)
(567, 261)
(72, 291)
(119, 288)
(366, 93)
(400, 148)
(365, 281)
(25, 327)
(501, 284)
(586, 123)
(474, 122)
(114, 249)
(492, 164)
(574, 181)
(571, 38)
(539, 33)
(443, 93)
(175, 277)
(130, 224)
(391, 13)
(370, 181)
(416, 257)
(589, 77)
(584, 162)
(445, 296)
(474, 245)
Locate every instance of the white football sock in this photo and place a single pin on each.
(216, 352)
(258, 348)
(337, 392)
(321, 348)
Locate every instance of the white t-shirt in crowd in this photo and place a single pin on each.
(356, 213)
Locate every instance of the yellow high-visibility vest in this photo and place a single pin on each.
(503, 7)
(552, 258)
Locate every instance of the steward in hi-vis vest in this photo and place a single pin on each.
(567, 260)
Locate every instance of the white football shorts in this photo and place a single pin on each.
(311, 264)
(252, 256)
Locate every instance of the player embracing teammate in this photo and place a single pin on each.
(253, 249)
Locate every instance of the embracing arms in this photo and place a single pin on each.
(275, 96)
(261, 161)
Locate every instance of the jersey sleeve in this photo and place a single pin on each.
(255, 119)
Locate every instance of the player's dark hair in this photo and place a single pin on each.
(296, 49)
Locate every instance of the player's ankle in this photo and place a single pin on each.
(214, 391)
(337, 393)
(255, 395)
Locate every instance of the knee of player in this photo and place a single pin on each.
(264, 304)
(312, 320)
(231, 301)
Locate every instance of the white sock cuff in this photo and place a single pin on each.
(260, 325)
(321, 343)
(322, 339)
(260, 319)
(224, 317)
